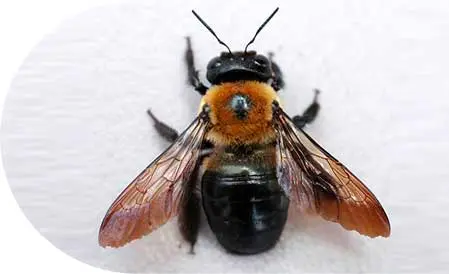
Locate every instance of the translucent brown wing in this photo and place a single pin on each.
(318, 183)
(153, 197)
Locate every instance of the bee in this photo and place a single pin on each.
(245, 162)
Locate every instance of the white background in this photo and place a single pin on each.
(75, 131)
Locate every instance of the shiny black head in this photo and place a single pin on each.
(239, 65)
(236, 66)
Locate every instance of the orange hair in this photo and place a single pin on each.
(226, 127)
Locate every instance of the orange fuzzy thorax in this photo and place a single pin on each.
(226, 128)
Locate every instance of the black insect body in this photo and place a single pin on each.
(251, 162)
(243, 201)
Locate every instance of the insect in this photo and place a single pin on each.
(245, 162)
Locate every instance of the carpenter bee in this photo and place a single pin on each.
(245, 162)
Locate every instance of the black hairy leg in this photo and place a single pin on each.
(189, 215)
(164, 130)
(192, 72)
(309, 114)
(278, 80)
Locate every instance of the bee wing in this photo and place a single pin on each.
(319, 183)
(154, 196)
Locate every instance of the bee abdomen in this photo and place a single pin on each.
(246, 212)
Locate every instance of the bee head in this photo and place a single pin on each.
(237, 66)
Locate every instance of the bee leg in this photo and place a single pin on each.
(192, 71)
(278, 80)
(189, 215)
(309, 114)
(164, 130)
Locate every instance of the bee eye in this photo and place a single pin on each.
(260, 62)
(214, 63)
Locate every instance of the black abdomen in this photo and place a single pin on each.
(244, 204)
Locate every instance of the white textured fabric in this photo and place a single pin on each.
(75, 131)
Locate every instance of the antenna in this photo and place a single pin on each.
(211, 31)
(261, 27)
